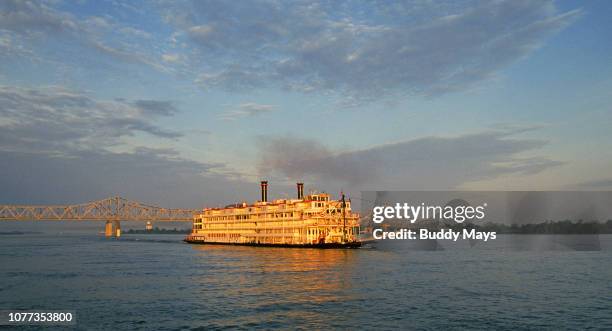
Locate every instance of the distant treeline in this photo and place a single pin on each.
(157, 230)
(548, 227)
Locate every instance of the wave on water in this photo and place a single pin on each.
(17, 233)
(153, 240)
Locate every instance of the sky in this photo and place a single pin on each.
(191, 103)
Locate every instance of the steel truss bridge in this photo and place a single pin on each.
(112, 210)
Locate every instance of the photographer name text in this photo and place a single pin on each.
(444, 234)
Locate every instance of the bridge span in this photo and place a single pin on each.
(112, 210)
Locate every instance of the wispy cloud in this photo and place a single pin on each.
(247, 110)
(36, 22)
(397, 49)
(172, 58)
(156, 107)
(56, 119)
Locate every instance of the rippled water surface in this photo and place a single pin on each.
(158, 282)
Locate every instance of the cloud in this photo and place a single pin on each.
(56, 118)
(172, 58)
(425, 163)
(136, 32)
(56, 147)
(246, 110)
(37, 22)
(10, 47)
(394, 49)
(33, 17)
(151, 176)
(360, 52)
(156, 107)
(200, 32)
(124, 54)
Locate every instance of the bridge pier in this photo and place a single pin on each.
(108, 229)
(112, 229)
(117, 229)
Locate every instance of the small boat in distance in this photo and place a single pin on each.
(311, 221)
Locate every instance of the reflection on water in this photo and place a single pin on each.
(157, 282)
(269, 282)
(298, 275)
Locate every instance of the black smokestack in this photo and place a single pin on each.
(264, 191)
(300, 191)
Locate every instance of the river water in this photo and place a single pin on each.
(156, 282)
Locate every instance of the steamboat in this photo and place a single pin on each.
(314, 220)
